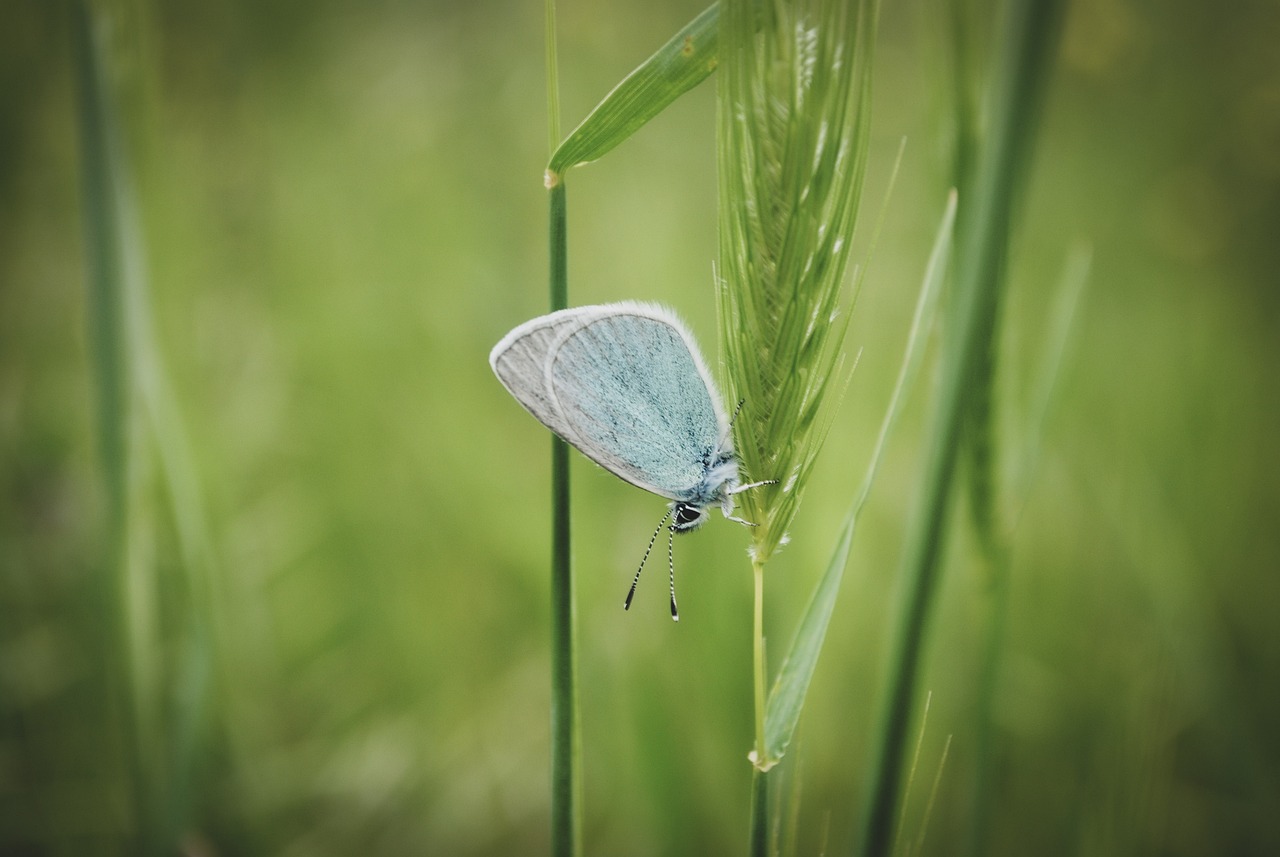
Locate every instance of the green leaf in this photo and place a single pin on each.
(677, 67)
(787, 697)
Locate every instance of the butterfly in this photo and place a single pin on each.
(625, 384)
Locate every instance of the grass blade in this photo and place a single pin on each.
(678, 66)
(792, 684)
(933, 797)
(915, 765)
(169, 718)
(786, 700)
(1071, 288)
(1030, 45)
(110, 358)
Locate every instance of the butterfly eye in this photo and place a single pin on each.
(687, 517)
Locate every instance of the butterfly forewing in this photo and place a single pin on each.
(633, 396)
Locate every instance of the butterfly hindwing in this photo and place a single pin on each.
(520, 362)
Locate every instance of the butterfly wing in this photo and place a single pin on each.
(631, 391)
(520, 362)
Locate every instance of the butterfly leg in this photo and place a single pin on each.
(728, 501)
(740, 488)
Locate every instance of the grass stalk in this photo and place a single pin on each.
(759, 842)
(759, 667)
(994, 629)
(110, 363)
(794, 114)
(553, 77)
(1029, 44)
(566, 775)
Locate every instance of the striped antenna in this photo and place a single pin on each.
(671, 567)
(626, 605)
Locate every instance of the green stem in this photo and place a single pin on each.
(759, 756)
(553, 84)
(566, 774)
(996, 625)
(758, 666)
(565, 768)
(1030, 44)
(759, 813)
(108, 337)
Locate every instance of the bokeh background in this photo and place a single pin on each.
(342, 211)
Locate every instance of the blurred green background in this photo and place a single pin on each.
(343, 210)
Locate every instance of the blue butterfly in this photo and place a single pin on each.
(626, 385)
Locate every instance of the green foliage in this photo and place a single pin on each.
(678, 66)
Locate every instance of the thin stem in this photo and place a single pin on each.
(108, 336)
(993, 645)
(566, 775)
(758, 665)
(759, 756)
(553, 81)
(759, 846)
(559, 293)
(565, 767)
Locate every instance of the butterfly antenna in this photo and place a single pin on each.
(671, 568)
(728, 432)
(626, 605)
